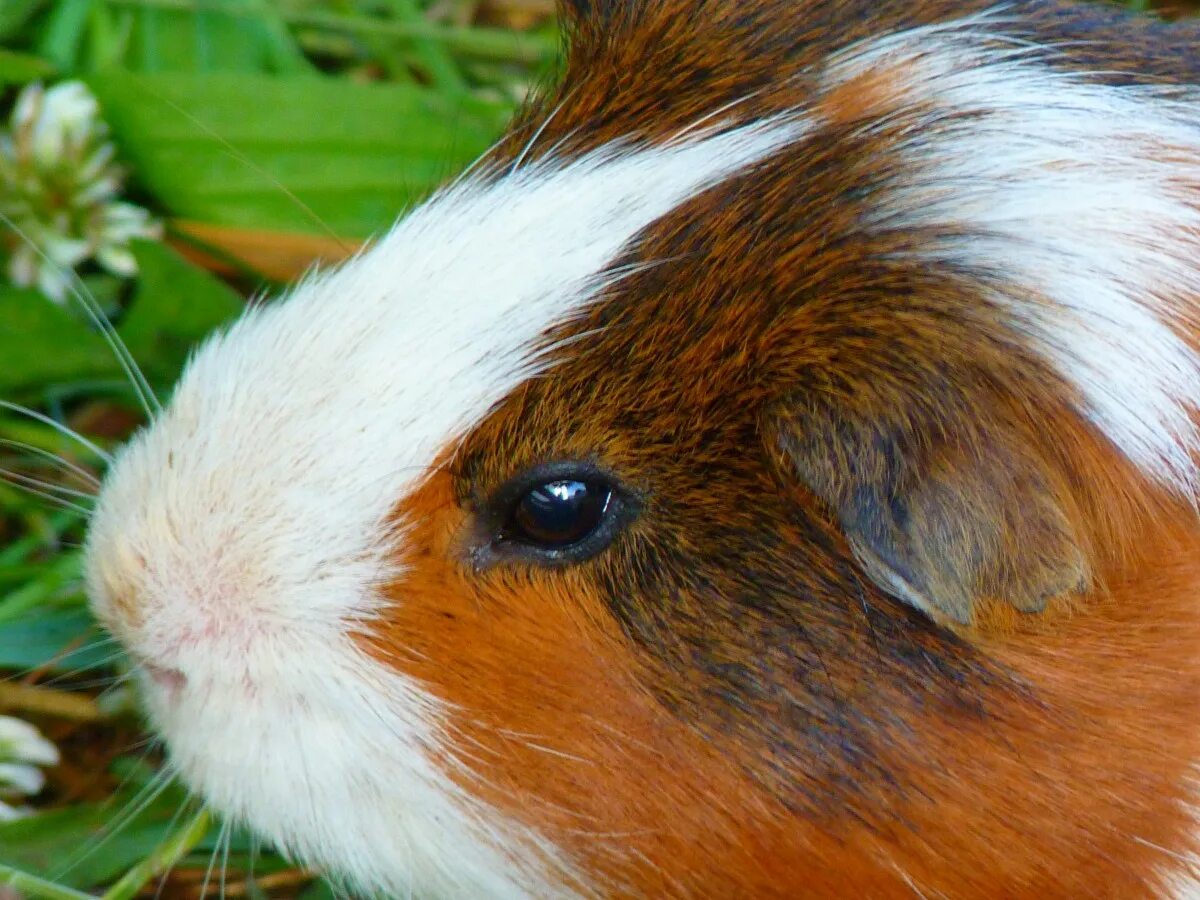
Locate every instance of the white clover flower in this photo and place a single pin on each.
(59, 186)
(23, 750)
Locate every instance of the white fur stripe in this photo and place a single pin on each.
(251, 522)
(1083, 194)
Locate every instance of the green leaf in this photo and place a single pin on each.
(62, 37)
(18, 68)
(163, 859)
(15, 13)
(282, 52)
(176, 305)
(88, 845)
(108, 36)
(235, 36)
(79, 847)
(61, 574)
(303, 154)
(435, 57)
(27, 885)
(320, 890)
(69, 636)
(42, 343)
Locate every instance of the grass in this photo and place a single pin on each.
(380, 100)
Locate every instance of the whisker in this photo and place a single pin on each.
(242, 158)
(552, 152)
(49, 486)
(255, 849)
(123, 678)
(166, 873)
(94, 313)
(53, 499)
(213, 860)
(59, 461)
(30, 674)
(150, 792)
(475, 165)
(228, 834)
(147, 747)
(109, 681)
(57, 426)
(485, 157)
(101, 640)
(143, 746)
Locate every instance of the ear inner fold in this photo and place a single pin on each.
(941, 515)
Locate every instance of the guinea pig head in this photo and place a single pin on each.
(770, 472)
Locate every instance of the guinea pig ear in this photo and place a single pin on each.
(944, 520)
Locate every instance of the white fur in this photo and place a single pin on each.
(249, 524)
(1083, 200)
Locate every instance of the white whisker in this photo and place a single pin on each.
(227, 834)
(118, 681)
(212, 862)
(255, 849)
(96, 315)
(50, 487)
(166, 873)
(20, 483)
(64, 464)
(60, 658)
(57, 426)
(150, 792)
(106, 682)
(254, 167)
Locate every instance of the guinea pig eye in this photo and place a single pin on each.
(559, 513)
(556, 513)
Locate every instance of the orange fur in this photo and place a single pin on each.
(1085, 777)
(726, 703)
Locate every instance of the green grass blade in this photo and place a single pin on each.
(174, 849)
(63, 37)
(433, 54)
(32, 886)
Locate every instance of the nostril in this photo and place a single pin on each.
(170, 680)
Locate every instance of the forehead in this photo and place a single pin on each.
(365, 377)
(583, 243)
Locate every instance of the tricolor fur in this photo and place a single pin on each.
(887, 313)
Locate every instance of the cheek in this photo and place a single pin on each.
(550, 721)
(526, 660)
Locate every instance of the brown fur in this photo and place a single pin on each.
(727, 701)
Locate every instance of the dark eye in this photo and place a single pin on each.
(553, 514)
(558, 514)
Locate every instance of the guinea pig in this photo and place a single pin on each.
(771, 471)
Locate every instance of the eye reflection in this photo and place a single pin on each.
(559, 513)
